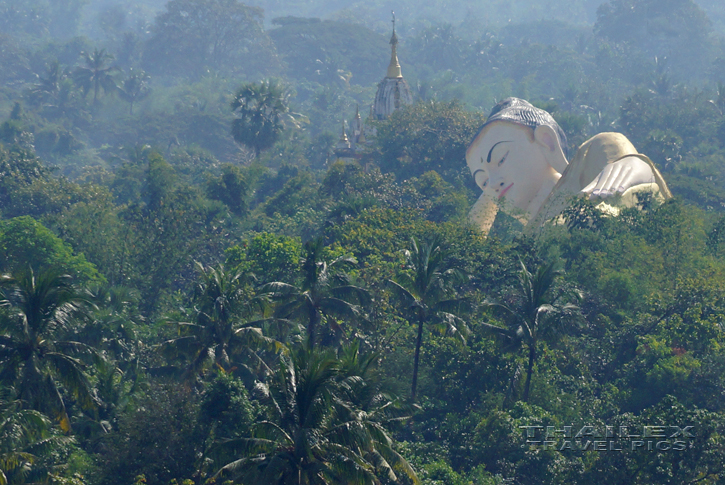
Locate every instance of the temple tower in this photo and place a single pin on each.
(393, 91)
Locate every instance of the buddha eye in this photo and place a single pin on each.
(480, 177)
(503, 159)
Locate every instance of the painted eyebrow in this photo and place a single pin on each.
(488, 158)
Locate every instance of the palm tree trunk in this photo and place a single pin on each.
(529, 371)
(311, 327)
(418, 343)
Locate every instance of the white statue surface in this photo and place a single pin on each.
(519, 160)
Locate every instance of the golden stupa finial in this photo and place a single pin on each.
(357, 111)
(344, 142)
(343, 136)
(394, 67)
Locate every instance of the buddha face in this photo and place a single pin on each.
(509, 163)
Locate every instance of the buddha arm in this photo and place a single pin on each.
(483, 213)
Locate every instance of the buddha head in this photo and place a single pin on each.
(518, 155)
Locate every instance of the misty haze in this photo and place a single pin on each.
(322, 242)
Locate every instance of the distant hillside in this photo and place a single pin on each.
(326, 50)
(715, 9)
(497, 12)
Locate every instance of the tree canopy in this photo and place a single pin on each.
(200, 282)
(193, 37)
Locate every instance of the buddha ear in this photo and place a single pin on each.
(547, 138)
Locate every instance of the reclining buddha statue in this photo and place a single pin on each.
(519, 160)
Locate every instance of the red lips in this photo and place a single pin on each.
(505, 190)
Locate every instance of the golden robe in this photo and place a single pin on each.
(587, 164)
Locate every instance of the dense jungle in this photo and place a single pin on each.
(196, 288)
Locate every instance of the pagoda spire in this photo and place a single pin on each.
(356, 127)
(344, 141)
(394, 66)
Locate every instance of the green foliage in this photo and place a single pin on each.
(144, 184)
(315, 430)
(298, 191)
(538, 313)
(158, 242)
(159, 438)
(425, 287)
(134, 88)
(14, 57)
(653, 251)
(498, 445)
(377, 232)
(225, 404)
(260, 113)
(95, 74)
(313, 51)
(37, 18)
(231, 189)
(48, 197)
(427, 136)
(93, 228)
(219, 331)
(13, 133)
(160, 179)
(55, 141)
(20, 168)
(675, 26)
(267, 256)
(24, 439)
(33, 355)
(442, 202)
(25, 243)
(193, 37)
(698, 462)
(326, 295)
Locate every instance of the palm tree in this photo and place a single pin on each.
(719, 103)
(48, 86)
(219, 329)
(66, 103)
(362, 387)
(262, 111)
(315, 435)
(38, 309)
(23, 436)
(56, 94)
(425, 292)
(538, 313)
(110, 328)
(96, 74)
(134, 88)
(326, 292)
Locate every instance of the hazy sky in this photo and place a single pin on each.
(375, 14)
